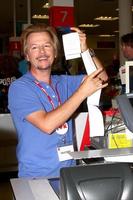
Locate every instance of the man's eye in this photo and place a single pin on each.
(47, 45)
(34, 47)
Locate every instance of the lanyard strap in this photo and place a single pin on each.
(49, 98)
(62, 137)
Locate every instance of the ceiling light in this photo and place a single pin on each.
(46, 5)
(40, 16)
(106, 35)
(89, 25)
(106, 18)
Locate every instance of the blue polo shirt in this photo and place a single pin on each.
(37, 150)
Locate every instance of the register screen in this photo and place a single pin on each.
(130, 79)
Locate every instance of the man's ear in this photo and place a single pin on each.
(27, 57)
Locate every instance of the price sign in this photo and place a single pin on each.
(61, 16)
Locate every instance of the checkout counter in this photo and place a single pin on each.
(35, 189)
(40, 189)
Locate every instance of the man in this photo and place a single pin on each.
(127, 46)
(127, 50)
(42, 104)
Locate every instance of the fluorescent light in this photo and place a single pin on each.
(106, 18)
(106, 35)
(89, 25)
(40, 16)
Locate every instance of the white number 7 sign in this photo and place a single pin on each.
(64, 14)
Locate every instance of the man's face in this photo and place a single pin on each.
(127, 51)
(40, 50)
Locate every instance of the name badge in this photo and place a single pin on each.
(63, 152)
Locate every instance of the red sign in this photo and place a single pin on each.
(15, 48)
(14, 45)
(61, 16)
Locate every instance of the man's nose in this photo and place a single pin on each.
(42, 48)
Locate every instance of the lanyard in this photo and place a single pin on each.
(49, 98)
(62, 130)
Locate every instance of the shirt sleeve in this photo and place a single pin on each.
(22, 100)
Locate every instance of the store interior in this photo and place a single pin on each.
(99, 19)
